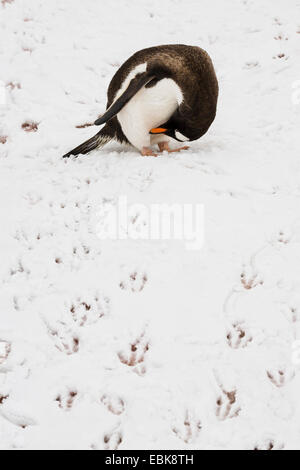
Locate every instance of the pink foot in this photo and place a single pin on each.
(147, 152)
(165, 146)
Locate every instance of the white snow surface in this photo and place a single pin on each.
(144, 344)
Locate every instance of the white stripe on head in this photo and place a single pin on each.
(181, 137)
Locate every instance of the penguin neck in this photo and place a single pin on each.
(192, 126)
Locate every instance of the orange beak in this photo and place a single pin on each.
(158, 130)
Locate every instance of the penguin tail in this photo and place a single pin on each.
(155, 72)
(97, 141)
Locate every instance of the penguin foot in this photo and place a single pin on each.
(165, 146)
(147, 152)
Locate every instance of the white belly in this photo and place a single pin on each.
(149, 108)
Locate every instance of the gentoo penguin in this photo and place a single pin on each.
(159, 93)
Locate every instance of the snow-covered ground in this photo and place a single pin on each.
(145, 344)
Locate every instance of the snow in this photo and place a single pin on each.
(142, 344)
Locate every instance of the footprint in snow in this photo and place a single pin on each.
(237, 336)
(135, 355)
(64, 338)
(188, 429)
(112, 441)
(114, 404)
(226, 405)
(5, 349)
(89, 311)
(280, 377)
(66, 400)
(135, 282)
(269, 444)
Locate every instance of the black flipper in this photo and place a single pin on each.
(99, 140)
(134, 86)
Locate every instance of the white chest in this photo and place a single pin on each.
(149, 108)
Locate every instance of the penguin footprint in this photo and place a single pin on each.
(250, 279)
(86, 312)
(29, 239)
(81, 251)
(5, 348)
(237, 336)
(280, 377)
(25, 239)
(141, 180)
(114, 404)
(12, 85)
(19, 269)
(226, 405)
(29, 126)
(64, 338)
(251, 64)
(57, 205)
(112, 441)
(269, 444)
(138, 222)
(65, 401)
(284, 237)
(3, 398)
(135, 355)
(292, 313)
(189, 428)
(135, 282)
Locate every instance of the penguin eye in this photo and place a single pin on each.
(180, 137)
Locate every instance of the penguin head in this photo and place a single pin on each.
(171, 132)
(178, 126)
